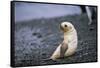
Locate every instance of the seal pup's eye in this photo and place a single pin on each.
(65, 25)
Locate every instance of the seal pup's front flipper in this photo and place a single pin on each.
(63, 49)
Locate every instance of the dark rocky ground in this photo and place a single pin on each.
(37, 39)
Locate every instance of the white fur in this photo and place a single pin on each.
(70, 37)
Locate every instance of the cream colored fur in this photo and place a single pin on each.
(70, 38)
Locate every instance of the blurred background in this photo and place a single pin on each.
(28, 11)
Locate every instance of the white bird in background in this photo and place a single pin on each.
(69, 44)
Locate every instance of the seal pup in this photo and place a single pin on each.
(69, 44)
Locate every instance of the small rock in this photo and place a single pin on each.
(81, 42)
(91, 28)
(33, 44)
(39, 36)
(43, 53)
(85, 43)
(34, 33)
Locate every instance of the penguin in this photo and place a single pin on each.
(69, 45)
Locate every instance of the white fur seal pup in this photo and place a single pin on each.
(69, 44)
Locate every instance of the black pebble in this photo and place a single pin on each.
(33, 43)
(91, 28)
(43, 53)
(39, 36)
(34, 34)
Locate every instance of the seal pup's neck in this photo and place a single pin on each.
(68, 33)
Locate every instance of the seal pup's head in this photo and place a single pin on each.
(66, 26)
